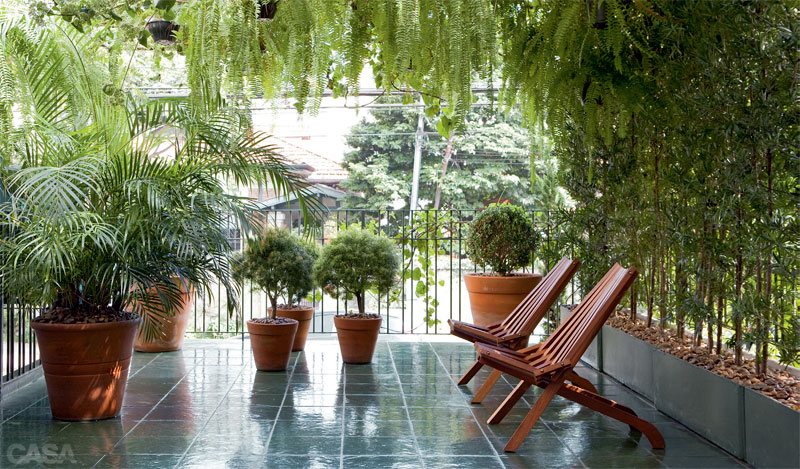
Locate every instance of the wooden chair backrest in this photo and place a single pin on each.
(572, 337)
(524, 318)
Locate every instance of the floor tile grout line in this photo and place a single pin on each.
(344, 414)
(405, 406)
(283, 401)
(45, 397)
(149, 411)
(447, 372)
(205, 424)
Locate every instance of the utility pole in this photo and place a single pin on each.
(417, 162)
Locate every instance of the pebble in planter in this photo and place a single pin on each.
(280, 264)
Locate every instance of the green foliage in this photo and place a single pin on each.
(357, 261)
(279, 263)
(489, 161)
(433, 47)
(676, 127)
(115, 196)
(502, 237)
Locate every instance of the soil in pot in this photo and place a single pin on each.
(493, 297)
(358, 335)
(303, 316)
(86, 355)
(271, 340)
(173, 329)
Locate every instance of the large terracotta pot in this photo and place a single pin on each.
(86, 367)
(492, 298)
(272, 344)
(303, 317)
(357, 338)
(174, 328)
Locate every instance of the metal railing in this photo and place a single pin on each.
(435, 237)
(431, 289)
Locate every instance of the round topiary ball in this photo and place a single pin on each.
(356, 261)
(502, 237)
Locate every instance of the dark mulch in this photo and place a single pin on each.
(278, 320)
(359, 316)
(84, 314)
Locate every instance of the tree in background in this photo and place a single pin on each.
(490, 160)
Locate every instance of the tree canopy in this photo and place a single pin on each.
(490, 159)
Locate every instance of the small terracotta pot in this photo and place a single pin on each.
(357, 338)
(492, 298)
(86, 367)
(303, 317)
(174, 329)
(272, 344)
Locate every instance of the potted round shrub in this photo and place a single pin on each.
(279, 263)
(357, 261)
(502, 237)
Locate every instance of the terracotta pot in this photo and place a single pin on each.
(272, 344)
(492, 298)
(357, 338)
(174, 329)
(303, 318)
(86, 367)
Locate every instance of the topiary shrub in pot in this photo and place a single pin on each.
(502, 238)
(357, 261)
(279, 263)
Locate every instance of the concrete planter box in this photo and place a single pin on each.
(772, 432)
(744, 422)
(629, 360)
(709, 404)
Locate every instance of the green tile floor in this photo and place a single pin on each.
(207, 406)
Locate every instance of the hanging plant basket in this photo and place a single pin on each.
(596, 10)
(267, 9)
(163, 31)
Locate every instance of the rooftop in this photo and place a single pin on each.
(207, 406)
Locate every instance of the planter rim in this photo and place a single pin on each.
(293, 322)
(299, 310)
(97, 326)
(342, 318)
(517, 275)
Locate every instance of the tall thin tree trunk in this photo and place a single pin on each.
(448, 150)
(720, 320)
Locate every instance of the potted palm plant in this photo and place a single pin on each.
(102, 220)
(503, 238)
(357, 261)
(279, 263)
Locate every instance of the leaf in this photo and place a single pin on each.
(165, 5)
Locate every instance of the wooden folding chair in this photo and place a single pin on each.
(513, 332)
(549, 364)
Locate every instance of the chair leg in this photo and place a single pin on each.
(582, 382)
(470, 373)
(486, 387)
(614, 410)
(509, 403)
(530, 420)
